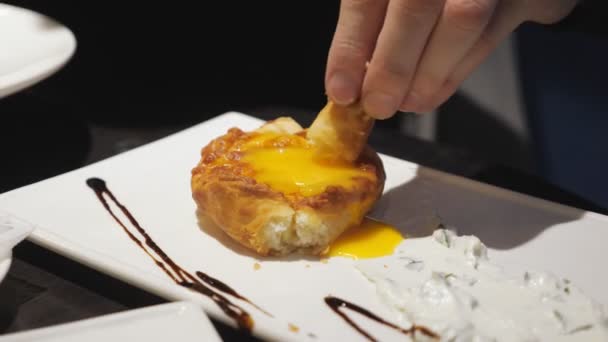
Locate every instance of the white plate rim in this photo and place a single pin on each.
(176, 307)
(5, 265)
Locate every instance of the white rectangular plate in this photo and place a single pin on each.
(180, 321)
(153, 181)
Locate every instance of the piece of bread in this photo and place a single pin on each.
(341, 131)
(267, 220)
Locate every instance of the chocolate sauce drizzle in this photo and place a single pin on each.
(227, 289)
(204, 284)
(336, 304)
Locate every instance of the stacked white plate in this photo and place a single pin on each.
(12, 231)
(33, 47)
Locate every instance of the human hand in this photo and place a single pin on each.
(420, 51)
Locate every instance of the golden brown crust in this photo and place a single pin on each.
(227, 194)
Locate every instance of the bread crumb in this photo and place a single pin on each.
(324, 260)
(257, 266)
(385, 266)
(293, 328)
(307, 266)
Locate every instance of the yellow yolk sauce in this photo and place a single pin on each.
(370, 239)
(288, 164)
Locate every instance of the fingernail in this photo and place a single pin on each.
(407, 107)
(411, 103)
(380, 105)
(342, 89)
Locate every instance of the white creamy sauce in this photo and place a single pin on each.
(447, 283)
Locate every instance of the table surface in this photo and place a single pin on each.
(43, 288)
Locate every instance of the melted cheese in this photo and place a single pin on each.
(288, 164)
(371, 239)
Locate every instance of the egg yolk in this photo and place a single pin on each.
(295, 169)
(370, 239)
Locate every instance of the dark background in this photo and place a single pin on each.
(158, 66)
(157, 63)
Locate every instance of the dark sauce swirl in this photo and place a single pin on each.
(203, 283)
(219, 285)
(338, 305)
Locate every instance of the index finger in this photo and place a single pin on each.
(358, 26)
